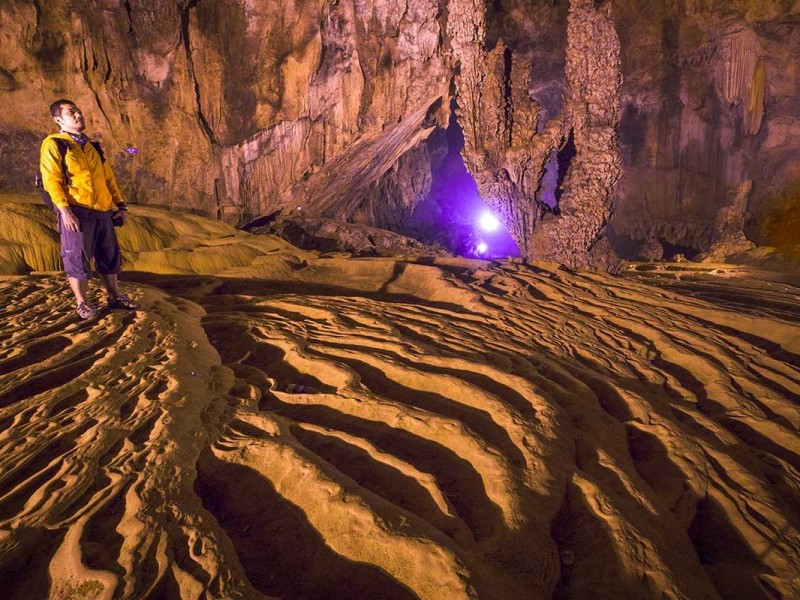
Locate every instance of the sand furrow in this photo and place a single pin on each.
(312, 427)
(93, 457)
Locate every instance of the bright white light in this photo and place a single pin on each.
(482, 248)
(488, 222)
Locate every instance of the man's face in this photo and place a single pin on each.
(71, 119)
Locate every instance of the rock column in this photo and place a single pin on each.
(507, 156)
(593, 81)
(499, 120)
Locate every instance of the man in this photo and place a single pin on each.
(86, 198)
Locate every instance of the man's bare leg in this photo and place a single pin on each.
(79, 288)
(115, 298)
(111, 284)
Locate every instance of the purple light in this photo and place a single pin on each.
(488, 222)
(481, 248)
(132, 151)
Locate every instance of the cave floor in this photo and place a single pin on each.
(399, 429)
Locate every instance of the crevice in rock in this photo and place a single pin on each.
(564, 158)
(129, 11)
(209, 133)
(673, 250)
(507, 95)
(108, 71)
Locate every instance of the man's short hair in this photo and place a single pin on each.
(55, 107)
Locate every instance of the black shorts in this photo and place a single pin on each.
(96, 240)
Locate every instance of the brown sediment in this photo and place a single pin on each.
(294, 426)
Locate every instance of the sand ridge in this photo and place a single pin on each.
(289, 425)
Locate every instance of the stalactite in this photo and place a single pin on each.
(755, 105)
(740, 53)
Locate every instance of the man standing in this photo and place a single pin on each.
(86, 197)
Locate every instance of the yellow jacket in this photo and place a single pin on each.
(91, 181)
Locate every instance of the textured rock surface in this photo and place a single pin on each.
(237, 108)
(709, 104)
(499, 122)
(593, 79)
(240, 108)
(331, 236)
(508, 149)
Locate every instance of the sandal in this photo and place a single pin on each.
(122, 301)
(86, 310)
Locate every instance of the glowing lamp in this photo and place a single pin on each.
(488, 222)
(482, 248)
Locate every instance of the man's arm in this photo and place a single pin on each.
(50, 165)
(116, 193)
(111, 182)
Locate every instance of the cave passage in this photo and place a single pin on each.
(464, 224)
(671, 250)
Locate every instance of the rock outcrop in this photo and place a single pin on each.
(499, 121)
(333, 237)
(508, 149)
(593, 80)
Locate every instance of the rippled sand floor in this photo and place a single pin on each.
(278, 424)
(308, 427)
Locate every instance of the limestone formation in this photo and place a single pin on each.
(236, 108)
(707, 106)
(650, 250)
(239, 108)
(332, 237)
(593, 80)
(278, 424)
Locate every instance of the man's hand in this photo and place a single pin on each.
(118, 218)
(68, 219)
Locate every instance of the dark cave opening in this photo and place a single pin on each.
(555, 172)
(628, 248)
(547, 189)
(671, 250)
(454, 214)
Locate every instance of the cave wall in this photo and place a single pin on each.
(237, 107)
(710, 117)
(683, 117)
(131, 74)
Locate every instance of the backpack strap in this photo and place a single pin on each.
(63, 146)
(99, 151)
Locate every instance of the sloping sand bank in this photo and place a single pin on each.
(285, 425)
